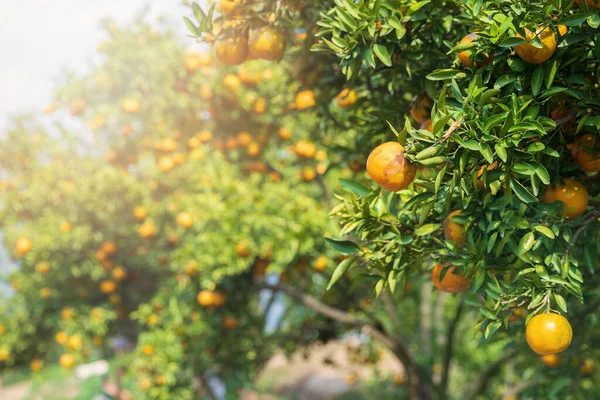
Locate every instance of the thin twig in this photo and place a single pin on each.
(455, 125)
(449, 345)
(588, 219)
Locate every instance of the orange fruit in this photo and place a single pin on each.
(140, 212)
(346, 98)
(586, 152)
(232, 50)
(453, 231)
(22, 246)
(587, 367)
(305, 149)
(45, 293)
(285, 133)
(107, 286)
(227, 6)
(147, 349)
(548, 333)
(465, 56)
(161, 380)
(67, 360)
(305, 99)
(573, 195)
(61, 338)
(308, 174)
(204, 136)
(389, 168)
(253, 149)
(232, 82)
(552, 360)
(562, 30)
(74, 342)
(206, 92)
(242, 249)
(65, 227)
(320, 263)
(206, 298)
(420, 110)
(166, 163)
(267, 42)
(67, 313)
(131, 105)
(78, 106)
(185, 220)
(398, 379)
(147, 230)
(452, 283)
(532, 54)
(230, 322)
(427, 125)
(109, 248)
(119, 273)
(259, 106)
(36, 364)
(219, 299)
(590, 3)
(42, 267)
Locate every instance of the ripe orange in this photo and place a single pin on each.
(185, 220)
(140, 212)
(65, 227)
(455, 232)
(532, 54)
(107, 286)
(45, 292)
(161, 380)
(465, 56)
(206, 92)
(204, 136)
(548, 333)
(588, 367)
(305, 149)
(259, 106)
(165, 163)
(206, 298)
(67, 360)
(78, 106)
(562, 30)
(590, 3)
(109, 248)
(74, 342)
(36, 364)
(452, 283)
(147, 350)
(227, 6)
(147, 230)
(586, 152)
(67, 313)
(131, 105)
(420, 110)
(267, 42)
(61, 338)
(346, 98)
(42, 267)
(119, 273)
(242, 249)
(321, 263)
(305, 99)
(552, 360)
(427, 125)
(23, 246)
(572, 193)
(253, 149)
(219, 299)
(389, 168)
(232, 82)
(230, 322)
(232, 50)
(308, 174)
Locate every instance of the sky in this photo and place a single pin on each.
(41, 38)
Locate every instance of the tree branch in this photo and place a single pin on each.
(449, 345)
(484, 379)
(419, 383)
(588, 219)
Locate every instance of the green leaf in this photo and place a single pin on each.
(537, 79)
(382, 53)
(501, 151)
(198, 13)
(427, 229)
(560, 301)
(522, 193)
(340, 270)
(445, 74)
(526, 243)
(355, 187)
(192, 28)
(345, 247)
(513, 41)
(545, 231)
(505, 80)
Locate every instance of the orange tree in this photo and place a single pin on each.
(481, 127)
(158, 213)
(467, 104)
